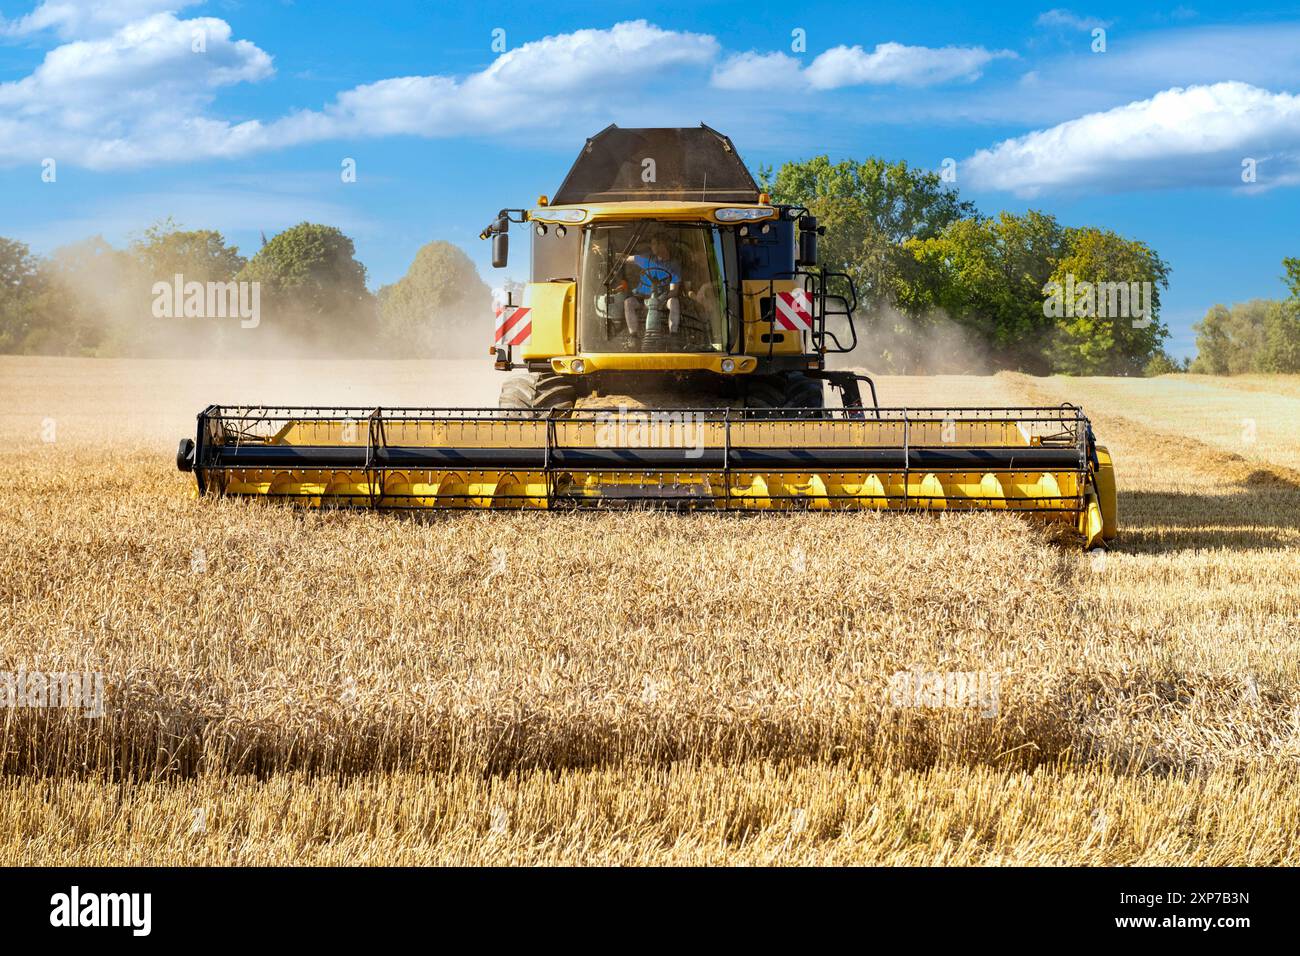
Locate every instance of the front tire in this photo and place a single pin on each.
(537, 391)
(784, 390)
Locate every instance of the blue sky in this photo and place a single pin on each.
(238, 116)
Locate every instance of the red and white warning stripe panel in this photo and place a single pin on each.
(794, 311)
(514, 326)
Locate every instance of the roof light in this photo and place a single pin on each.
(741, 215)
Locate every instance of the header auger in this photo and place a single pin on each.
(661, 276)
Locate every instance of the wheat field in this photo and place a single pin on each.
(295, 687)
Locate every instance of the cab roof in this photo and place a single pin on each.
(676, 164)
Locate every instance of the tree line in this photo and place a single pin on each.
(1262, 335)
(156, 297)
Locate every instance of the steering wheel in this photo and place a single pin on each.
(657, 273)
(659, 277)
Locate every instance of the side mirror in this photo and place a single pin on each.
(501, 244)
(807, 240)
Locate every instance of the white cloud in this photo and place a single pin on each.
(82, 18)
(904, 65)
(534, 84)
(1066, 20)
(841, 66)
(759, 71)
(154, 58)
(140, 95)
(1180, 137)
(573, 60)
(133, 96)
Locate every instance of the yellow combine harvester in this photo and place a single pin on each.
(662, 278)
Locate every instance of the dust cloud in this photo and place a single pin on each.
(109, 306)
(154, 402)
(894, 343)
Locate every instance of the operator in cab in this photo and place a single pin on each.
(657, 288)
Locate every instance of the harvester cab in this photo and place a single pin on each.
(660, 276)
(660, 268)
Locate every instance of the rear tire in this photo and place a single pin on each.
(537, 391)
(784, 390)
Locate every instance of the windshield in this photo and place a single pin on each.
(650, 286)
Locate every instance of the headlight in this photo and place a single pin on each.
(560, 215)
(728, 365)
(577, 365)
(741, 215)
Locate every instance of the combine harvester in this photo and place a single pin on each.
(661, 276)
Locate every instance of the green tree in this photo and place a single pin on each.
(1214, 345)
(1280, 349)
(441, 307)
(200, 255)
(39, 315)
(987, 277)
(313, 290)
(160, 255)
(1262, 335)
(1004, 281)
(1115, 328)
(1162, 363)
(1292, 277)
(870, 209)
(17, 265)
(1230, 341)
(19, 319)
